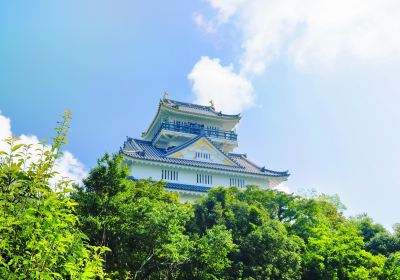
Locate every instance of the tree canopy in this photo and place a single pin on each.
(39, 233)
(111, 227)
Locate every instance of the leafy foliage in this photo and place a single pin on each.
(39, 237)
(338, 253)
(367, 226)
(265, 249)
(143, 225)
(392, 267)
(228, 234)
(209, 255)
(138, 230)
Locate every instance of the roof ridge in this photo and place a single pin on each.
(184, 145)
(239, 155)
(178, 186)
(251, 163)
(188, 161)
(286, 172)
(199, 106)
(263, 169)
(140, 140)
(191, 141)
(153, 153)
(190, 104)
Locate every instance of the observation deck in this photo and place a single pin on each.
(175, 133)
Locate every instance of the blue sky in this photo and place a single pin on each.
(317, 85)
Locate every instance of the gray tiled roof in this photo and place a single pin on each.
(185, 187)
(195, 108)
(144, 150)
(182, 187)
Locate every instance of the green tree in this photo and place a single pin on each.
(384, 243)
(265, 250)
(392, 267)
(338, 253)
(209, 255)
(367, 226)
(142, 224)
(39, 235)
(334, 246)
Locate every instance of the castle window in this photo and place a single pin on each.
(202, 155)
(204, 179)
(236, 182)
(169, 175)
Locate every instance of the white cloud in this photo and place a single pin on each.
(226, 8)
(231, 92)
(206, 25)
(312, 33)
(70, 167)
(67, 165)
(283, 187)
(5, 131)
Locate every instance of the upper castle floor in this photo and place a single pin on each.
(177, 122)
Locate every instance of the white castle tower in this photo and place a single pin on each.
(190, 147)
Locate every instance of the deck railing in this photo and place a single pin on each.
(197, 129)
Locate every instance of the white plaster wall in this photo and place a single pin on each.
(143, 170)
(202, 146)
(224, 124)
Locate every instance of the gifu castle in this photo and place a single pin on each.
(190, 147)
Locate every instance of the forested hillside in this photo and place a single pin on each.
(113, 228)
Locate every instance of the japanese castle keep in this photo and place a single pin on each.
(190, 147)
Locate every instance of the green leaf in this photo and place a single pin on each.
(16, 147)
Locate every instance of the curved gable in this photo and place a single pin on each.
(201, 149)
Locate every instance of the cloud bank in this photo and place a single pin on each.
(283, 187)
(314, 35)
(67, 165)
(230, 92)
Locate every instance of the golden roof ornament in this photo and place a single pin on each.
(211, 103)
(165, 96)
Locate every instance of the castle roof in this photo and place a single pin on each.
(144, 150)
(206, 113)
(195, 139)
(195, 108)
(181, 187)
